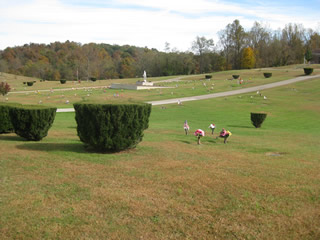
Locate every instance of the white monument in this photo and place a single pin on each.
(144, 76)
(144, 82)
(140, 85)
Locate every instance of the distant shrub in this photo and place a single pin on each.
(267, 75)
(4, 88)
(63, 81)
(24, 82)
(93, 79)
(32, 122)
(5, 121)
(257, 119)
(235, 76)
(29, 83)
(208, 76)
(308, 71)
(111, 127)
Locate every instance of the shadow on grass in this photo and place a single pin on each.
(187, 142)
(51, 147)
(64, 147)
(238, 126)
(11, 137)
(212, 140)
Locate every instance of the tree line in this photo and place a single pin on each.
(236, 49)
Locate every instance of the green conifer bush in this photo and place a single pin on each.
(267, 75)
(32, 122)
(111, 127)
(5, 121)
(257, 119)
(308, 71)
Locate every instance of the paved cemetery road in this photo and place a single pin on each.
(222, 94)
(234, 92)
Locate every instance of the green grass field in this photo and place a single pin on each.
(188, 86)
(263, 184)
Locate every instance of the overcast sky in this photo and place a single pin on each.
(142, 23)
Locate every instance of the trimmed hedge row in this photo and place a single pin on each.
(257, 119)
(111, 127)
(5, 121)
(32, 122)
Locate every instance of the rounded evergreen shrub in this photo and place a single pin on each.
(308, 71)
(5, 121)
(32, 122)
(29, 83)
(235, 76)
(267, 75)
(257, 119)
(93, 79)
(111, 127)
(63, 81)
(208, 76)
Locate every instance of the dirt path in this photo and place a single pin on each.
(220, 94)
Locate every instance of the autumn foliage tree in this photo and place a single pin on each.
(76, 61)
(248, 58)
(4, 88)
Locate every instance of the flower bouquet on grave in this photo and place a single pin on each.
(212, 127)
(186, 127)
(199, 133)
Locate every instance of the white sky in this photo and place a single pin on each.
(142, 23)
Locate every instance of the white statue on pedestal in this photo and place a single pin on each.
(144, 76)
(144, 82)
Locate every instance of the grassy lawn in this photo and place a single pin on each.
(188, 86)
(263, 184)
